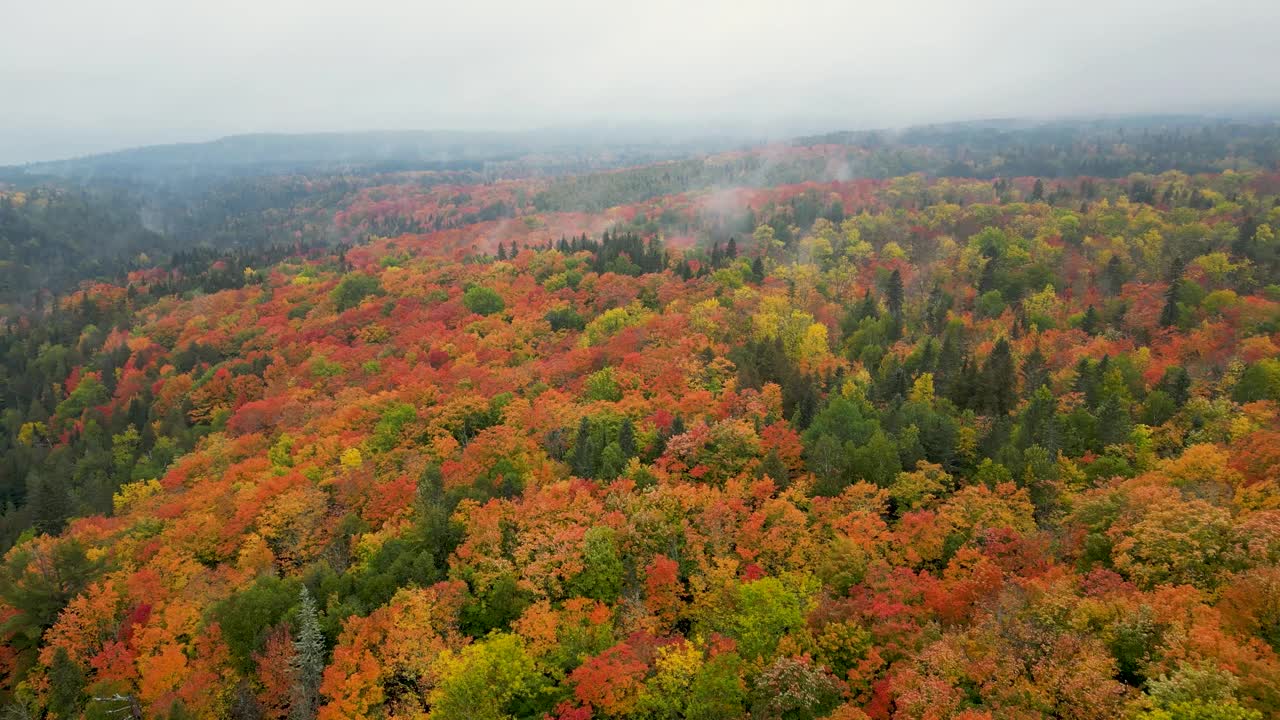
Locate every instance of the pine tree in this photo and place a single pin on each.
(1037, 192)
(66, 685)
(308, 660)
(1090, 322)
(998, 380)
(773, 468)
(869, 308)
(936, 308)
(1177, 384)
(894, 296)
(1169, 313)
(1113, 278)
(627, 438)
(1114, 422)
(677, 426)
(502, 251)
(50, 505)
(1035, 371)
(586, 451)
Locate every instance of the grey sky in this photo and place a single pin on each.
(81, 76)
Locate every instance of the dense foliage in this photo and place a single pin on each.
(51, 238)
(901, 448)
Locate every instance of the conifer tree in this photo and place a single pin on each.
(308, 660)
(998, 379)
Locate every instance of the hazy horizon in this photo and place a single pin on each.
(86, 78)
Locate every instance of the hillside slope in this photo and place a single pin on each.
(897, 448)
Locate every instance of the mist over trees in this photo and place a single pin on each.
(963, 422)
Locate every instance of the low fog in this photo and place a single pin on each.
(79, 77)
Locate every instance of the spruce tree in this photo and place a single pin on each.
(1035, 371)
(1169, 313)
(627, 438)
(66, 685)
(1090, 322)
(308, 660)
(998, 380)
(894, 296)
(585, 451)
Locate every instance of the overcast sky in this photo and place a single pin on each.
(80, 76)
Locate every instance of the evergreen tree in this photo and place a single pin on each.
(627, 438)
(1090, 322)
(936, 308)
(1039, 422)
(308, 659)
(868, 308)
(1114, 277)
(1169, 313)
(998, 380)
(586, 451)
(1176, 383)
(1035, 371)
(894, 296)
(773, 467)
(677, 426)
(684, 270)
(1114, 422)
(50, 505)
(1089, 380)
(66, 685)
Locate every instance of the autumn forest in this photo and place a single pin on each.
(963, 423)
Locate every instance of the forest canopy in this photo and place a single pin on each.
(766, 434)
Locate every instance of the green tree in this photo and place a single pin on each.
(492, 679)
(894, 295)
(602, 575)
(603, 385)
(717, 690)
(66, 685)
(1090, 322)
(1170, 313)
(1259, 381)
(999, 379)
(587, 448)
(353, 289)
(990, 304)
(482, 300)
(38, 580)
(768, 609)
(627, 438)
(877, 462)
(494, 607)
(247, 617)
(308, 659)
